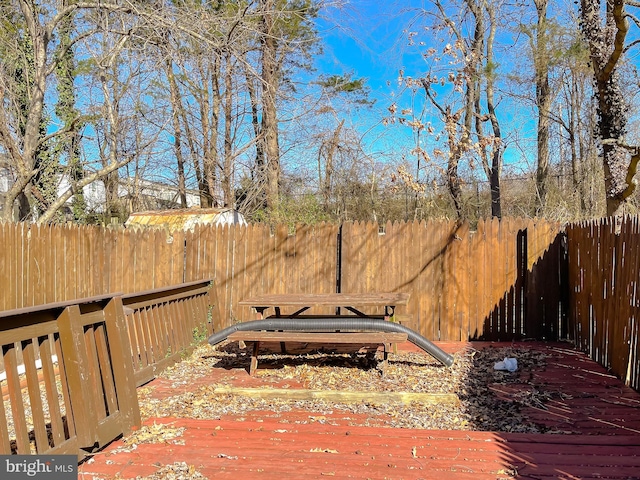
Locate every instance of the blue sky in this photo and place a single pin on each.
(368, 38)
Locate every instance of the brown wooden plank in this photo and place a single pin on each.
(509, 277)
(463, 269)
(154, 314)
(326, 242)
(370, 259)
(222, 267)
(22, 275)
(11, 285)
(303, 251)
(122, 371)
(156, 349)
(328, 299)
(251, 277)
(428, 283)
(339, 396)
(49, 266)
(15, 398)
(51, 390)
(35, 400)
(106, 369)
(5, 270)
(486, 302)
(94, 381)
(242, 271)
(33, 261)
(182, 323)
(78, 376)
(168, 325)
(5, 445)
(134, 332)
(148, 343)
(66, 391)
(154, 339)
(476, 256)
(190, 250)
(388, 244)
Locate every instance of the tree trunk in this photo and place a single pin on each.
(255, 122)
(497, 147)
(328, 167)
(24, 159)
(269, 111)
(453, 183)
(176, 107)
(607, 45)
(227, 167)
(543, 102)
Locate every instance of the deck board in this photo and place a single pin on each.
(602, 414)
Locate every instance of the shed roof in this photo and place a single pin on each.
(186, 219)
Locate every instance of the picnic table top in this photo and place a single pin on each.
(327, 299)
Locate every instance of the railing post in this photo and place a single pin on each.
(120, 352)
(75, 365)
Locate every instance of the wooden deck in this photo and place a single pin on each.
(599, 416)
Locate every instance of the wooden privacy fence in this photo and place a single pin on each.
(605, 302)
(482, 284)
(70, 370)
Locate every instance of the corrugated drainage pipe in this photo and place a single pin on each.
(332, 324)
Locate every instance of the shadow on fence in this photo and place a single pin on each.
(535, 306)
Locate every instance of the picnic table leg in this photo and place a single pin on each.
(254, 359)
(389, 313)
(383, 367)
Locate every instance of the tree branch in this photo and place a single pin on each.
(61, 200)
(622, 28)
(631, 45)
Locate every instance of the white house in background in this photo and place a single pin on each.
(6, 180)
(150, 195)
(154, 195)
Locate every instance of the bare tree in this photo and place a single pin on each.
(21, 129)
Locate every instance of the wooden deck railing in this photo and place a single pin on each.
(164, 322)
(71, 369)
(80, 399)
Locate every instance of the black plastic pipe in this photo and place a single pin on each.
(332, 324)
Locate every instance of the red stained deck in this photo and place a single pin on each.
(601, 417)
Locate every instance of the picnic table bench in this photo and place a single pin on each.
(386, 339)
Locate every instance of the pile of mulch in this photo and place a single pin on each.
(480, 388)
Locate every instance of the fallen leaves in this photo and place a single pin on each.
(155, 433)
(490, 400)
(175, 471)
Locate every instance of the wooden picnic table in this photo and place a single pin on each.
(353, 302)
(300, 303)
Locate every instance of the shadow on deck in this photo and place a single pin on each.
(594, 430)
